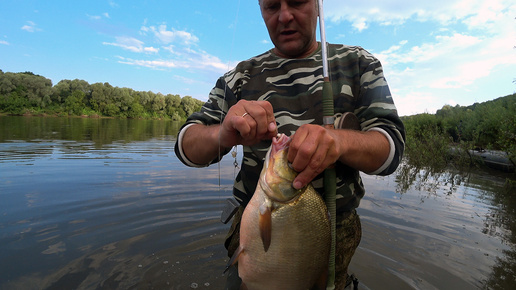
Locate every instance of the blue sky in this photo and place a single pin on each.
(433, 52)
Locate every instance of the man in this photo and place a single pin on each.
(281, 91)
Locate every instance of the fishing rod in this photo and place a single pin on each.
(330, 186)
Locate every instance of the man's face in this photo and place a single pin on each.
(292, 26)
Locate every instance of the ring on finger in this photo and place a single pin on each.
(245, 114)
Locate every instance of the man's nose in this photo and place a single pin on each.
(285, 15)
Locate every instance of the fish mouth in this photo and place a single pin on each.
(280, 142)
(276, 178)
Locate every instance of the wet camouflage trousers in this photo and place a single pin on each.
(349, 233)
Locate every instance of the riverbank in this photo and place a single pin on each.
(84, 116)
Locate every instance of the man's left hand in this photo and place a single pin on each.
(312, 150)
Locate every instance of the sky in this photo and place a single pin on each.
(434, 53)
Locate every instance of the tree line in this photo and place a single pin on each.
(488, 125)
(28, 93)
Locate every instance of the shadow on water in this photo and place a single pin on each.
(493, 190)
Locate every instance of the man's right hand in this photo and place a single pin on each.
(247, 123)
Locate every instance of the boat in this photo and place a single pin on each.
(498, 160)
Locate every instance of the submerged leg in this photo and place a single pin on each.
(349, 233)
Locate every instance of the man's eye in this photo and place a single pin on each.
(272, 7)
(297, 3)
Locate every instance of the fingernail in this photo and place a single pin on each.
(297, 185)
(272, 126)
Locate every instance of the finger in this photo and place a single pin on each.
(297, 141)
(271, 120)
(305, 177)
(315, 166)
(301, 151)
(245, 126)
(314, 149)
(263, 115)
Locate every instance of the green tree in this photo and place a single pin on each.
(74, 104)
(33, 88)
(126, 100)
(36, 88)
(6, 85)
(13, 103)
(158, 104)
(101, 97)
(136, 110)
(111, 110)
(65, 88)
(172, 105)
(190, 105)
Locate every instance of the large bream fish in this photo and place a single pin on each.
(285, 233)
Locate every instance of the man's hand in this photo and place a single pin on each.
(247, 123)
(314, 148)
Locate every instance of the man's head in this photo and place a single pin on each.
(292, 26)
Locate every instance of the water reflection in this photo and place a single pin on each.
(90, 203)
(493, 190)
(99, 131)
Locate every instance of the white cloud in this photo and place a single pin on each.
(360, 24)
(184, 59)
(98, 17)
(156, 64)
(113, 4)
(170, 36)
(30, 27)
(4, 42)
(185, 80)
(450, 61)
(132, 44)
(472, 12)
(449, 68)
(409, 102)
(472, 40)
(177, 50)
(151, 49)
(94, 17)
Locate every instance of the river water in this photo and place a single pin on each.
(105, 204)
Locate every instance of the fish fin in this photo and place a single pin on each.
(234, 258)
(265, 224)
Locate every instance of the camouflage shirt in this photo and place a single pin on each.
(294, 88)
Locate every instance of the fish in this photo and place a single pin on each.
(285, 234)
